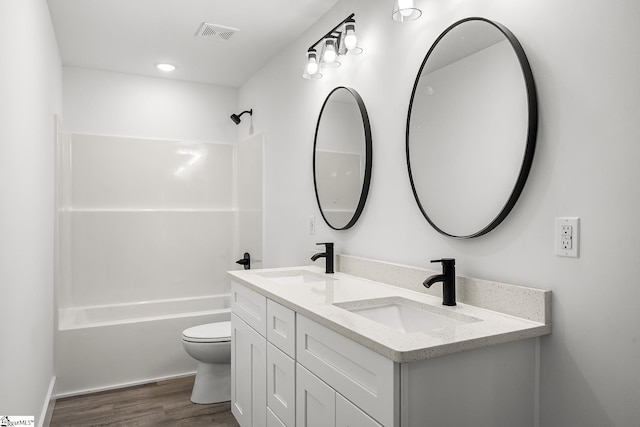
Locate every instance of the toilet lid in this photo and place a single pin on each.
(210, 332)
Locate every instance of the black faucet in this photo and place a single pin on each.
(245, 261)
(448, 279)
(328, 254)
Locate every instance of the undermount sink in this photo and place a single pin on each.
(406, 315)
(294, 277)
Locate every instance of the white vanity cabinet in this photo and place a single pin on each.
(262, 364)
(269, 388)
(291, 371)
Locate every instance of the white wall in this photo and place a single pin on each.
(585, 61)
(106, 103)
(30, 95)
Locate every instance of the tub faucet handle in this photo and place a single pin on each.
(245, 261)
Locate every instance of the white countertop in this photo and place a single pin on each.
(316, 300)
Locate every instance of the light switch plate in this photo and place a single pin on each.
(567, 236)
(312, 225)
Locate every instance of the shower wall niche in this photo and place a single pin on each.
(144, 220)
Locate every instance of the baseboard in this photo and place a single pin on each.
(49, 403)
(123, 385)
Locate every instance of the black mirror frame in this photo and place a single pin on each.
(532, 130)
(368, 161)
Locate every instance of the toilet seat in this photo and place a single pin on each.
(208, 333)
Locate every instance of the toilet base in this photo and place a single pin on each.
(213, 383)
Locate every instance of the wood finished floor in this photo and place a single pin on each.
(164, 403)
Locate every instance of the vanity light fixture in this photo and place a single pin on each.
(341, 40)
(405, 10)
(166, 67)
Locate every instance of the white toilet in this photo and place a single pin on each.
(210, 345)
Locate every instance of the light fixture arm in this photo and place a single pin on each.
(333, 33)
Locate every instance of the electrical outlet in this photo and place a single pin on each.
(312, 225)
(567, 236)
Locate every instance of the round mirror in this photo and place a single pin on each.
(471, 128)
(342, 158)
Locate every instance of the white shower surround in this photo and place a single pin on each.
(145, 219)
(148, 228)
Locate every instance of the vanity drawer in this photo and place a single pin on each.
(281, 327)
(363, 376)
(250, 306)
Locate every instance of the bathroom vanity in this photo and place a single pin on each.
(315, 349)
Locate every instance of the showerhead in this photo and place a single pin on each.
(236, 117)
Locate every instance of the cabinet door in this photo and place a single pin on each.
(349, 415)
(315, 400)
(248, 374)
(281, 385)
(366, 378)
(273, 421)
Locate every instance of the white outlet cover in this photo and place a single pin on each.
(560, 250)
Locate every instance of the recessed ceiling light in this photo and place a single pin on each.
(165, 67)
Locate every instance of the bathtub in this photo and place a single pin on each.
(144, 311)
(111, 346)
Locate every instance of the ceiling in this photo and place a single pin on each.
(132, 36)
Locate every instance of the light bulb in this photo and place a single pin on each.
(330, 54)
(312, 65)
(350, 39)
(405, 7)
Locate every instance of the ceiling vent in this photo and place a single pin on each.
(215, 32)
